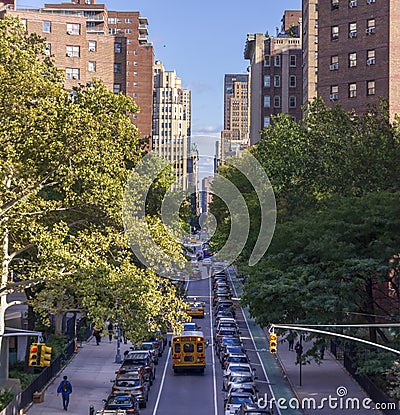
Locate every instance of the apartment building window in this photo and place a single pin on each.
(267, 121)
(277, 101)
(334, 66)
(117, 68)
(267, 60)
(112, 31)
(352, 59)
(135, 74)
(119, 20)
(135, 52)
(292, 102)
(128, 20)
(316, 39)
(46, 27)
(353, 29)
(72, 73)
(352, 90)
(277, 81)
(370, 30)
(370, 88)
(292, 81)
(293, 61)
(371, 57)
(334, 32)
(117, 47)
(334, 95)
(73, 28)
(91, 66)
(117, 88)
(277, 60)
(267, 101)
(334, 4)
(135, 63)
(135, 84)
(112, 20)
(92, 46)
(267, 81)
(47, 49)
(73, 51)
(128, 31)
(129, 41)
(352, 3)
(24, 23)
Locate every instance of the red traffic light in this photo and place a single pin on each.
(34, 349)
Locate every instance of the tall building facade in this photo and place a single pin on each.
(171, 121)
(276, 74)
(359, 61)
(88, 41)
(235, 135)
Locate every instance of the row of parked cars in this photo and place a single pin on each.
(239, 377)
(133, 380)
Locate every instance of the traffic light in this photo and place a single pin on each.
(273, 343)
(45, 355)
(34, 355)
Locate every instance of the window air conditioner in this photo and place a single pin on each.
(353, 3)
(69, 54)
(74, 76)
(334, 66)
(371, 61)
(333, 97)
(370, 30)
(353, 34)
(69, 32)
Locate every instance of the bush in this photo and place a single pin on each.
(6, 396)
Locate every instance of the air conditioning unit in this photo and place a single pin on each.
(353, 34)
(92, 50)
(353, 3)
(75, 77)
(371, 61)
(370, 1)
(334, 97)
(370, 30)
(69, 54)
(69, 32)
(334, 66)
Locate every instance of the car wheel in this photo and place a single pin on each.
(156, 362)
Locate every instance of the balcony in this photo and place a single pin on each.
(143, 29)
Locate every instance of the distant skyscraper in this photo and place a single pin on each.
(235, 135)
(171, 121)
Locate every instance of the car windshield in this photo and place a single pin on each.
(147, 346)
(237, 359)
(234, 368)
(241, 379)
(240, 399)
(128, 383)
(119, 400)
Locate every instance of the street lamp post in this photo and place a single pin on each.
(118, 358)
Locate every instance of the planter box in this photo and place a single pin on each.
(38, 397)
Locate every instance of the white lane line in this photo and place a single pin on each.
(254, 344)
(212, 352)
(162, 382)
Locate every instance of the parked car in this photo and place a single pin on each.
(235, 358)
(248, 387)
(238, 377)
(227, 350)
(252, 409)
(149, 346)
(235, 399)
(141, 359)
(191, 327)
(122, 400)
(133, 383)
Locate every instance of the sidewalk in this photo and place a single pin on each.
(329, 379)
(90, 372)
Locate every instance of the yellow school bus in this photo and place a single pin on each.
(189, 351)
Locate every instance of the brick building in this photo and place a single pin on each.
(88, 41)
(275, 74)
(359, 61)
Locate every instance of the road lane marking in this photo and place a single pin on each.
(254, 343)
(212, 351)
(162, 382)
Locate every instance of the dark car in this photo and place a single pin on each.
(227, 350)
(125, 401)
(141, 359)
(133, 383)
(148, 345)
(227, 341)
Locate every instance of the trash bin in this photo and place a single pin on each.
(38, 397)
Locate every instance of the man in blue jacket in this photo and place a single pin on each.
(65, 388)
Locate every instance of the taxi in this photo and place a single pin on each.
(195, 309)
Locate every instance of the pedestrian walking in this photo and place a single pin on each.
(65, 388)
(322, 351)
(290, 338)
(110, 329)
(97, 336)
(299, 351)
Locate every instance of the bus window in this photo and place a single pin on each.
(188, 348)
(199, 347)
(177, 348)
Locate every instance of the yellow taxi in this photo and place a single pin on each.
(195, 309)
